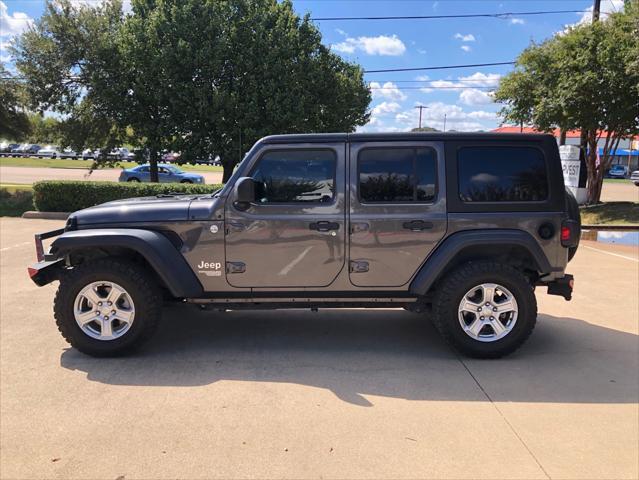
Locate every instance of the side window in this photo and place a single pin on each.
(291, 176)
(397, 175)
(502, 174)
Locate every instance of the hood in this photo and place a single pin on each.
(173, 208)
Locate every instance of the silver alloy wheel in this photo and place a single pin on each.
(488, 312)
(104, 310)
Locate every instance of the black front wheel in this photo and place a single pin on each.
(107, 307)
(485, 309)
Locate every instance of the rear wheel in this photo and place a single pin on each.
(107, 307)
(485, 309)
(186, 181)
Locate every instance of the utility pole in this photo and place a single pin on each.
(421, 107)
(596, 9)
(444, 122)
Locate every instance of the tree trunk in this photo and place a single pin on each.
(595, 172)
(153, 165)
(562, 137)
(228, 171)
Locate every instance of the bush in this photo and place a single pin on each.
(69, 196)
(15, 201)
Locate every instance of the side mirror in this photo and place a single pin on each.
(244, 192)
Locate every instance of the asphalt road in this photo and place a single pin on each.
(334, 394)
(32, 174)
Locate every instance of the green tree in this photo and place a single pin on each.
(14, 121)
(70, 62)
(204, 77)
(581, 79)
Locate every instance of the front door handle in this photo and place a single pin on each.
(324, 226)
(417, 225)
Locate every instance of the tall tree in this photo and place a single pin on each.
(14, 121)
(580, 80)
(204, 77)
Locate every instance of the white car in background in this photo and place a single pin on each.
(634, 177)
(49, 151)
(69, 153)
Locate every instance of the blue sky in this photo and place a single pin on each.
(461, 96)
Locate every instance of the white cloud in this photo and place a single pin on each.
(465, 48)
(465, 38)
(126, 4)
(472, 96)
(13, 24)
(388, 91)
(380, 45)
(385, 108)
(456, 118)
(517, 21)
(481, 79)
(341, 32)
(421, 51)
(477, 79)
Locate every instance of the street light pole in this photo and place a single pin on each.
(444, 122)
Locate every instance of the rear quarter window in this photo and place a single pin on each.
(502, 174)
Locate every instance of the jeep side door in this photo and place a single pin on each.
(397, 209)
(293, 234)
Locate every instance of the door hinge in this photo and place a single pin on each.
(358, 266)
(235, 267)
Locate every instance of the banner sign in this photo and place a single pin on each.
(570, 164)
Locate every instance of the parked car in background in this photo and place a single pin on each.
(49, 151)
(120, 153)
(166, 174)
(634, 177)
(170, 157)
(27, 150)
(88, 154)
(69, 153)
(7, 148)
(618, 171)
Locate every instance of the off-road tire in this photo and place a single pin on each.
(139, 285)
(455, 285)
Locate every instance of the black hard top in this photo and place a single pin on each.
(399, 137)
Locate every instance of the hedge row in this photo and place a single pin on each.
(69, 196)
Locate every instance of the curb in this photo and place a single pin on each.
(46, 215)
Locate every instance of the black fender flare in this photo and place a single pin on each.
(455, 243)
(157, 250)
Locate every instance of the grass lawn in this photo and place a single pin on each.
(15, 199)
(86, 164)
(613, 213)
(616, 180)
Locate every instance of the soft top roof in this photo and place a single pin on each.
(404, 136)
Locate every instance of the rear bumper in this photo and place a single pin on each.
(562, 286)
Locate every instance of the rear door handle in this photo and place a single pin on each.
(417, 225)
(323, 226)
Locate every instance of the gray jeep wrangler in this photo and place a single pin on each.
(459, 227)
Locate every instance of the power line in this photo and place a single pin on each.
(503, 15)
(442, 67)
(427, 87)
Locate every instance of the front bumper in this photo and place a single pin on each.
(48, 267)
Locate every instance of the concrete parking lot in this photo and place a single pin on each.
(334, 394)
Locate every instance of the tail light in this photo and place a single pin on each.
(570, 232)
